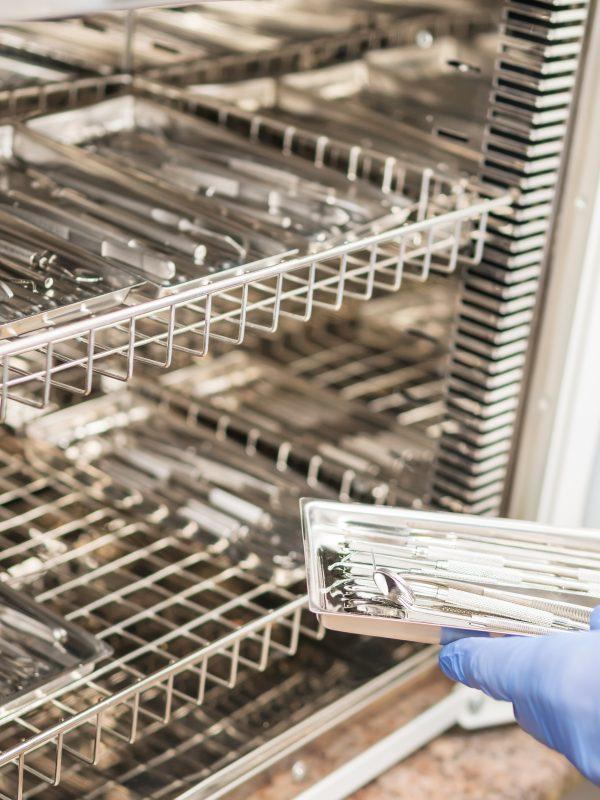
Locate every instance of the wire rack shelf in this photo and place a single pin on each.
(446, 226)
(179, 617)
(227, 307)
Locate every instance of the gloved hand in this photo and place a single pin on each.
(552, 681)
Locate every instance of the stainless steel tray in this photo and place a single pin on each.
(314, 34)
(429, 577)
(153, 462)
(139, 138)
(57, 192)
(69, 656)
(109, 41)
(45, 280)
(399, 100)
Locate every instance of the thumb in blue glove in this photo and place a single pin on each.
(552, 681)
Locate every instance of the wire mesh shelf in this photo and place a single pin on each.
(403, 380)
(398, 100)
(447, 226)
(331, 681)
(336, 446)
(186, 620)
(232, 56)
(199, 748)
(179, 617)
(390, 356)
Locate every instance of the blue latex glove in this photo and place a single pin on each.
(552, 681)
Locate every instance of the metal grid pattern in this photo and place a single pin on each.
(369, 101)
(179, 617)
(404, 380)
(366, 373)
(284, 697)
(186, 621)
(161, 468)
(196, 745)
(534, 85)
(354, 159)
(127, 336)
(335, 446)
(226, 307)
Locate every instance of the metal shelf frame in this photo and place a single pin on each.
(314, 53)
(488, 372)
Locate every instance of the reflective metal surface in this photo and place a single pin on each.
(427, 576)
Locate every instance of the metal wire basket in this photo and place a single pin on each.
(448, 215)
(179, 617)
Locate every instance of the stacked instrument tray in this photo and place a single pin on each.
(68, 341)
(313, 35)
(90, 56)
(109, 43)
(399, 100)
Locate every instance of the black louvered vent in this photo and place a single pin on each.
(533, 88)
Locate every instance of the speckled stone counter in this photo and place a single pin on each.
(500, 764)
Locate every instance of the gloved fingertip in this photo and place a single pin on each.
(450, 635)
(450, 661)
(480, 663)
(595, 619)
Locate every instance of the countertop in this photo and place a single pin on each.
(495, 764)
(499, 764)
